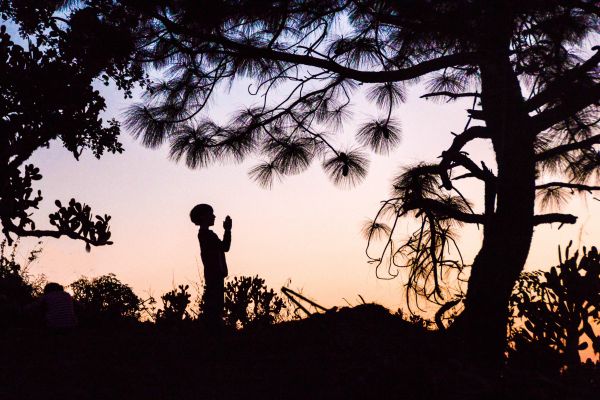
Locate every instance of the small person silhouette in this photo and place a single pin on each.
(57, 307)
(212, 251)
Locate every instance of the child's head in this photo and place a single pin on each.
(53, 287)
(202, 215)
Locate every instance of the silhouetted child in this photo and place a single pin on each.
(212, 251)
(57, 308)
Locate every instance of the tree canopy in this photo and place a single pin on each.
(47, 74)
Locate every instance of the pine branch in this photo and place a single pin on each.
(443, 210)
(450, 94)
(565, 148)
(403, 74)
(561, 85)
(254, 52)
(571, 104)
(575, 186)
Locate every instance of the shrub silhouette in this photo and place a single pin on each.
(105, 298)
(175, 304)
(248, 302)
(17, 287)
(558, 307)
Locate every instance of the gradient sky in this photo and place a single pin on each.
(304, 228)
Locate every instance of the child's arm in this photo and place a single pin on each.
(226, 243)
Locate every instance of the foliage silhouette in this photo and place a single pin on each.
(18, 288)
(46, 94)
(248, 303)
(105, 299)
(175, 304)
(415, 320)
(558, 308)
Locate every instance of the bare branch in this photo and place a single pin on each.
(453, 154)
(476, 114)
(554, 217)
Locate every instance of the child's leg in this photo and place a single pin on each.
(214, 304)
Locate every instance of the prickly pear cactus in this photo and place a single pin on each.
(560, 308)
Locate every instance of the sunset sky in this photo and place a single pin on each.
(304, 228)
(309, 127)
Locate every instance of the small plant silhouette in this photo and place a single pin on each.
(175, 304)
(248, 302)
(559, 307)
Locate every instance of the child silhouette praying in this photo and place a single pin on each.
(212, 252)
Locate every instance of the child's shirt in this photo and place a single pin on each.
(212, 252)
(58, 309)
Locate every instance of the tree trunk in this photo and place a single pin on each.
(509, 229)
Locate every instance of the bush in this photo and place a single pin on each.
(105, 298)
(175, 304)
(555, 310)
(248, 302)
(17, 287)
